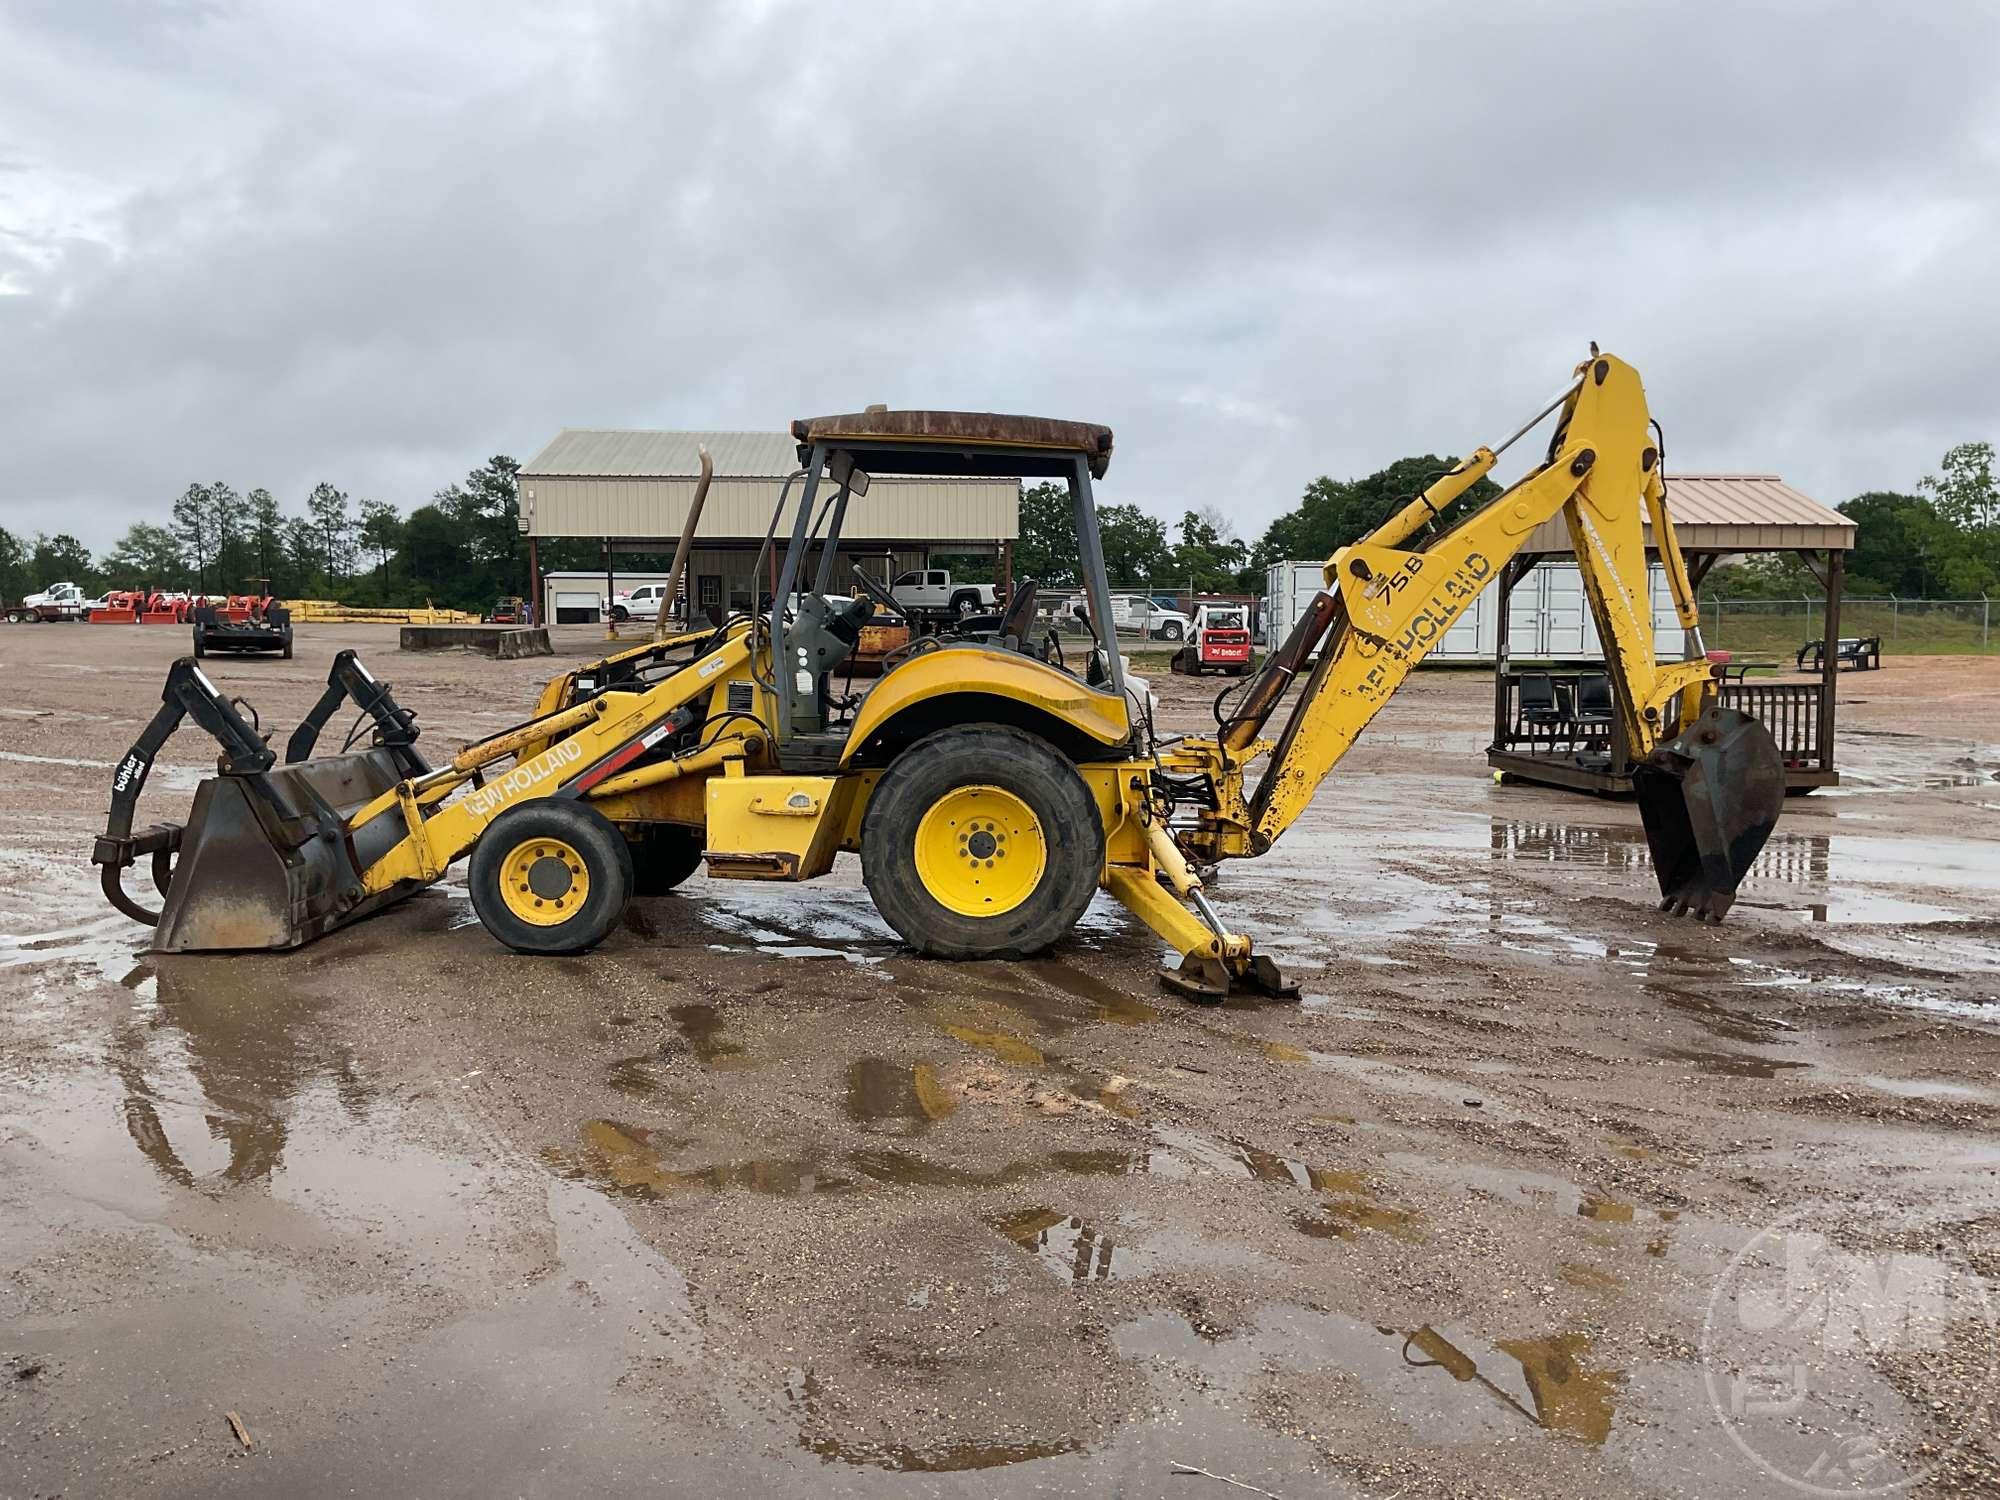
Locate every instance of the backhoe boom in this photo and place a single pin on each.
(1388, 603)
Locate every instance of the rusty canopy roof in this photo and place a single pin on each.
(1731, 513)
(954, 442)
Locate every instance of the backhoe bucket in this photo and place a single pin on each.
(261, 867)
(1709, 799)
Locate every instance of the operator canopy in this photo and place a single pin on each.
(958, 442)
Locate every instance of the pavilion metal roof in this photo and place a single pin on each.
(639, 453)
(1731, 513)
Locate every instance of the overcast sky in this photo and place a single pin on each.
(374, 241)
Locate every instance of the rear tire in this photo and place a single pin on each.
(944, 822)
(550, 877)
(286, 650)
(663, 857)
(200, 642)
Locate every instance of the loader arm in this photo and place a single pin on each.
(1388, 603)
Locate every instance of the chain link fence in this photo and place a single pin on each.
(1908, 627)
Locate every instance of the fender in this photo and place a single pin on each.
(1094, 713)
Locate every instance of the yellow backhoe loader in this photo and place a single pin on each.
(990, 784)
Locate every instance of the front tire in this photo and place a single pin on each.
(981, 841)
(550, 877)
(1172, 630)
(200, 642)
(620, 614)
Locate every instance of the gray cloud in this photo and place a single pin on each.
(377, 243)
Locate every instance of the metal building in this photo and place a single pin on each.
(630, 489)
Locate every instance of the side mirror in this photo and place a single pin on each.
(842, 470)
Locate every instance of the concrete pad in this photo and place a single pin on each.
(503, 642)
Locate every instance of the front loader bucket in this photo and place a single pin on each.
(252, 871)
(1709, 799)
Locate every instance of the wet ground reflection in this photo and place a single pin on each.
(218, 1067)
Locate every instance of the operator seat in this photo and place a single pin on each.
(1020, 615)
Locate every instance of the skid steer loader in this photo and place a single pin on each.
(990, 783)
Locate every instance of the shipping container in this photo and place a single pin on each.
(1550, 615)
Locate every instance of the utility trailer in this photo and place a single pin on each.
(265, 626)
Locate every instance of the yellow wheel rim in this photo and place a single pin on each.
(980, 851)
(543, 881)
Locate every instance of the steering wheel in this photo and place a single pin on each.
(875, 590)
(1052, 650)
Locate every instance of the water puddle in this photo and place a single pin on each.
(881, 1092)
(1535, 1190)
(1730, 1064)
(702, 1027)
(947, 1457)
(1589, 1278)
(629, 1158)
(1928, 1088)
(1112, 1004)
(1343, 1218)
(638, 1076)
(826, 920)
(1001, 1044)
(1455, 879)
(1065, 1244)
(1389, 1078)
(1179, 1152)
(1445, 1384)
(1564, 1394)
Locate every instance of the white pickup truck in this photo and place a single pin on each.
(641, 603)
(1138, 614)
(932, 591)
(60, 601)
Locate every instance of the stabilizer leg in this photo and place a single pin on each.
(1215, 963)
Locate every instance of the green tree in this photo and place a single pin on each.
(1135, 545)
(147, 556)
(62, 558)
(1334, 512)
(433, 555)
(1208, 559)
(194, 530)
(267, 539)
(1046, 549)
(381, 533)
(326, 510)
(1901, 546)
(485, 509)
(14, 576)
(228, 520)
(305, 558)
(1966, 495)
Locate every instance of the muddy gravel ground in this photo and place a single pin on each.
(1537, 1191)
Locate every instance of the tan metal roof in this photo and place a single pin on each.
(641, 453)
(1732, 513)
